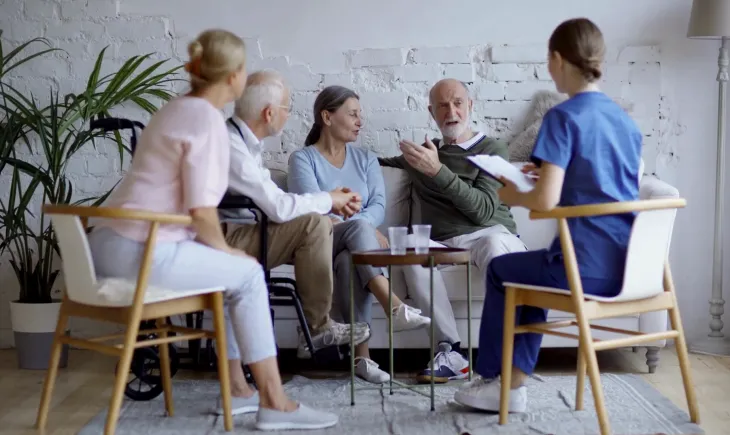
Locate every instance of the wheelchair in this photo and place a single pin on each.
(146, 383)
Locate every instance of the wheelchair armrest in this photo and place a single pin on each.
(233, 201)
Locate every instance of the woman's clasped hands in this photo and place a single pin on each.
(345, 202)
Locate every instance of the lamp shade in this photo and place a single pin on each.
(710, 19)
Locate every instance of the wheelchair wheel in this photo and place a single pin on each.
(146, 380)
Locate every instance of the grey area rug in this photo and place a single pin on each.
(634, 407)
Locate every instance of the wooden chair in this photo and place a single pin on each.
(137, 302)
(647, 286)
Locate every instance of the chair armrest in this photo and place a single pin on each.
(608, 208)
(117, 213)
(234, 201)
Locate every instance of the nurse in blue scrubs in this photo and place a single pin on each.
(588, 150)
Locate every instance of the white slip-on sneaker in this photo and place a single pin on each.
(406, 318)
(368, 370)
(240, 405)
(302, 418)
(484, 394)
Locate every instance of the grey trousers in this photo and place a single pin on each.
(353, 236)
(361, 236)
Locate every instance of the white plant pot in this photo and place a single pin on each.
(34, 326)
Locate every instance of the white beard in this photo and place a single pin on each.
(454, 131)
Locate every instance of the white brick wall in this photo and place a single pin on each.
(393, 82)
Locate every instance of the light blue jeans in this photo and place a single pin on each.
(189, 265)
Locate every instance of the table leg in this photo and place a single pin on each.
(352, 334)
(468, 314)
(390, 325)
(430, 266)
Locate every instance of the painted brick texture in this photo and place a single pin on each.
(393, 82)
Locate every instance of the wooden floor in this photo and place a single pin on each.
(83, 389)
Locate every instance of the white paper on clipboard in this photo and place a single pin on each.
(498, 167)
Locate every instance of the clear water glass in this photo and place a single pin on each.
(398, 240)
(421, 238)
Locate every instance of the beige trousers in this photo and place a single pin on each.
(307, 242)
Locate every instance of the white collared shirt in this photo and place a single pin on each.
(248, 176)
(478, 136)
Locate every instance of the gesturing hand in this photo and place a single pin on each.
(424, 159)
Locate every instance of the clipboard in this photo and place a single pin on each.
(497, 167)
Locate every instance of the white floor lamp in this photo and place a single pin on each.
(710, 19)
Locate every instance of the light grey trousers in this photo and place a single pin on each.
(358, 235)
(347, 237)
(189, 265)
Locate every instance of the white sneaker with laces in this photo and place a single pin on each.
(484, 394)
(475, 380)
(368, 370)
(337, 334)
(406, 318)
(448, 365)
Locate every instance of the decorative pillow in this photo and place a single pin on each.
(520, 147)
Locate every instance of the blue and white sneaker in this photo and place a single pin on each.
(448, 365)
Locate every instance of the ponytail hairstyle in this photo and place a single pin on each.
(214, 54)
(330, 99)
(580, 42)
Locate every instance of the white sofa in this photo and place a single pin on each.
(402, 209)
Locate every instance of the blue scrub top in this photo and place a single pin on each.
(599, 146)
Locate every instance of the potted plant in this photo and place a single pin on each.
(57, 131)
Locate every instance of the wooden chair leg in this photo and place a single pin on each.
(165, 370)
(682, 355)
(120, 382)
(56, 349)
(580, 384)
(586, 342)
(508, 344)
(223, 369)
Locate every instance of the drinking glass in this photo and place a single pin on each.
(398, 240)
(421, 238)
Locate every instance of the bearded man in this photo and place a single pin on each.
(459, 201)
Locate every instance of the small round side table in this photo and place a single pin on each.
(383, 258)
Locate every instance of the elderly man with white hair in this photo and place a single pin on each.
(459, 201)
(299, 230)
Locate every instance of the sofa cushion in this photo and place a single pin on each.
(397, 198)
(279, 177)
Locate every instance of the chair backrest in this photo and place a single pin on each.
(647, 253)
(78, 266)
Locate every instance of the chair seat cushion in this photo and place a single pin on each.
(119, 292)
(538, 288)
